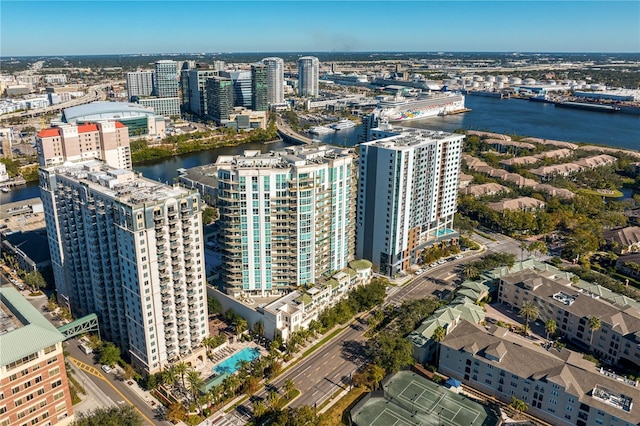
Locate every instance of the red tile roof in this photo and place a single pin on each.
(48, 133)
(85, 128)
(119, 125)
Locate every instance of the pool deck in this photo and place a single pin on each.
(220, 355)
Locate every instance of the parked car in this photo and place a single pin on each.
(106, 369)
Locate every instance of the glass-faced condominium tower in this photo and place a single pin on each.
(286, 217)
(407, 195)
(130, 250)
(308, 74)
(275, 80)
(166, 79)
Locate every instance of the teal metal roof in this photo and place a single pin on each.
(35, 334)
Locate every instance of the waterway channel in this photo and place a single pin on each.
(511, 116)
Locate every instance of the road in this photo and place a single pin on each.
(116, 390)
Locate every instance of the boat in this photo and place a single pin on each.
(4, 189)
(320, 130)
(423, 106)
(343, 124)
(587, 106)
(540, 98)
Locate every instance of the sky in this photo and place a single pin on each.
(120, 27)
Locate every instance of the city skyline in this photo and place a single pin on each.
(307, 26)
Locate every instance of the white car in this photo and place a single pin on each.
(441, 262)
(458, 256)
(106, 369)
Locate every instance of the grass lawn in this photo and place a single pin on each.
(333, 416)
(613, 194)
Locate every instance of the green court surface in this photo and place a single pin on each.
(409, 399)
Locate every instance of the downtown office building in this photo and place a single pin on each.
(139, 83)
(286, 217)
(407, 194)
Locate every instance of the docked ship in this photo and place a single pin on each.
(343, 124)
(423, 106)
(589, 106)
(320, 130)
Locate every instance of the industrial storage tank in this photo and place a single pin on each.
(529, 81)
(515, 80)
(502, 79)
(478, 78)
(490, 78)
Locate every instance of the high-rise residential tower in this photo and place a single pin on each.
(286, 217)
(131, 251)
(259, 87)
(308, 74)
(219, 92)
(104, 140)
(275, 80)
(139, 83)
(166, 79)
(407, 195)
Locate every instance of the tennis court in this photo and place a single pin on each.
(409, 399)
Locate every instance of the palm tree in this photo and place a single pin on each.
(259, 408)
(169, 376)
(272, 398)
(258, 328)
(594, 325)
(195, 381)
(438, 336)
(289, 386)
(469, 271)
(529, 311)
(181, 369)
(518, 405)
(550, 327)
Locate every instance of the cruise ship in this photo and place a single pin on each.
(423, 106)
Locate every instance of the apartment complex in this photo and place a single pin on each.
(129, 250)
(275, 80)
(407, 194)
(308, 75)
(616, 340)
(33, 380)
(558, 386)
(139, 83)
(286, 217)
(103, 140)
(259, 88)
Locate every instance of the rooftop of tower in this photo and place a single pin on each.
(291, 156)
(23, 330)
(126, 186)
(401, 137)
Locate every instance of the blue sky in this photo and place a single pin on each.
(113, 27)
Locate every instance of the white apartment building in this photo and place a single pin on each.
(558, 386)
(407, 194)
(275, 80)
(139, 83)
(104, 140)
(308, 75)
(131, 251)
(286, 217)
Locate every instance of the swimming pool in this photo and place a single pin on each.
(230, 365)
